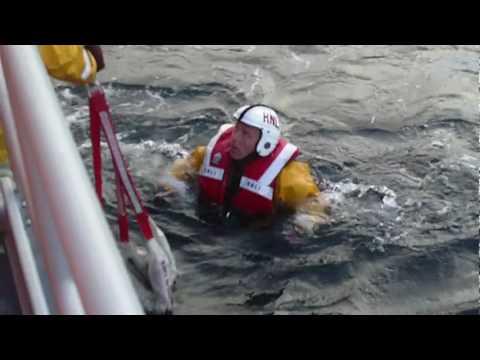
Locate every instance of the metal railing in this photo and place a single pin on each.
(86, 273)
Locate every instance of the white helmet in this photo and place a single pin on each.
(265, 119)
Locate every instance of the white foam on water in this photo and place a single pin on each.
(470, 161)
(81, 115)
(305, 223)
(178, 186)
(156, 96)
(174, 150)
(301, 60)
(170, 150)
(68, 95)
(258, 78)
(342, 189)
(438, 144)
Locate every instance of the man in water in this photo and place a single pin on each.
(249, 172)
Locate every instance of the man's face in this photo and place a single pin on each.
(245, 139)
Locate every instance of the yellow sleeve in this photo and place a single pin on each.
(295, 185)
(3, 149)
(185, 169)
(72, 63)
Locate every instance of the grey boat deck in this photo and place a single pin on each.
(9, 304)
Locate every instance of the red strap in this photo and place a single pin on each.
(95, 127)
(144, 225)
(122, 211)
(127, 185)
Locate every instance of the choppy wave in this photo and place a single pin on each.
(391, 131)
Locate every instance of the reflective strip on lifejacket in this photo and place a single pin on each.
(277, 165)
(207, 170)
(118, 161)
(212, 172)
(256, 187)
(262, 186)
(87, 69)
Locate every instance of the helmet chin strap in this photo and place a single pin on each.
(258, 143)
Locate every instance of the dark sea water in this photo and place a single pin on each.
(391, 130)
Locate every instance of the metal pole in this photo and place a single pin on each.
(25, 268)
(13, 146)
(67, 298)
(97, 266)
